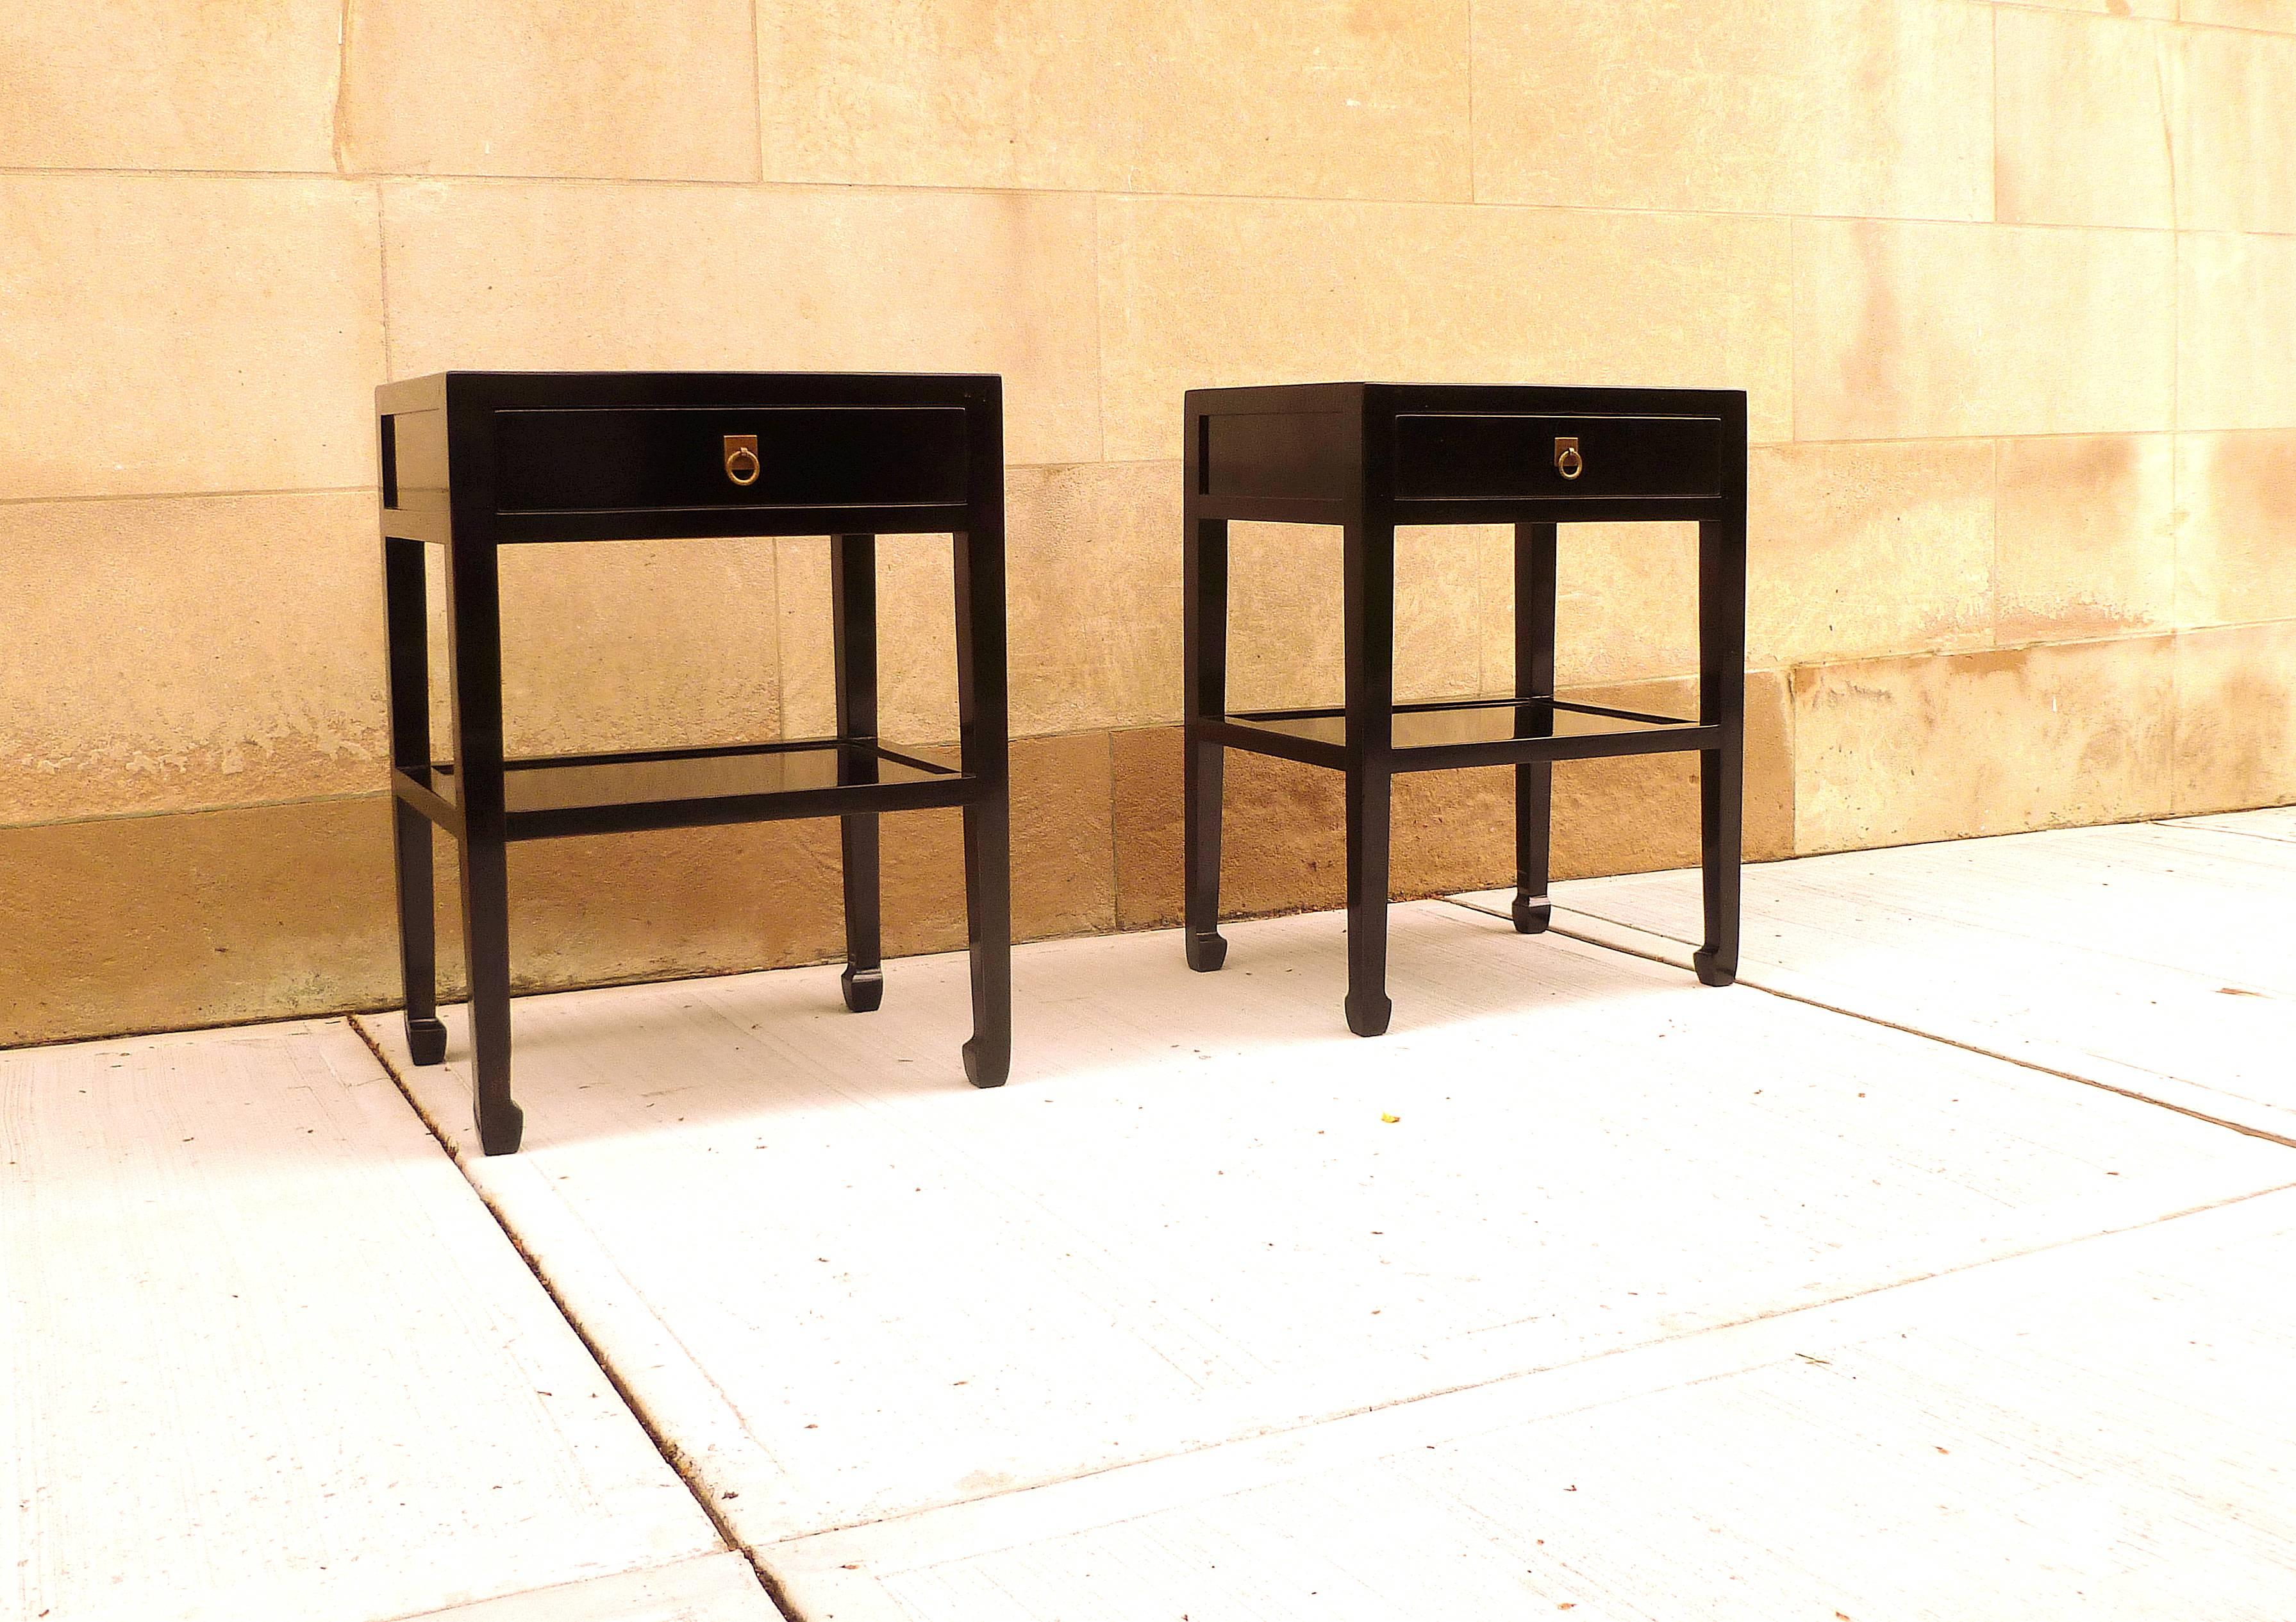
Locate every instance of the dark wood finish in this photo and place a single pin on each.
(473, 461)
(1534, 668)
(1204, 682)
(1273, 455)
(853, 621)
(1458, 456)
(1369, 551)
(475, 657)
(1722, 706)
(984, 750)
(405, 593)
(1371, 456)
(604, 460)
(558, 796)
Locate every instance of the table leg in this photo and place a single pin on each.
(1205, 683)
(418, 947)
(853, 621)
(486, 933)
(987, 836)
(408, 655)
(988, 911)
(1370, 566)
(474, 638)
(1534, 675)
(1721, 702)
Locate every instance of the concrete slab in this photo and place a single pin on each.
(2101, 1429)
(849, 1287)
(264, 1354)
(2275, 822)
(2150, 958)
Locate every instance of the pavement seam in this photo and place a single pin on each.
(843, 1539)
(1752, 983)
(670, 1452)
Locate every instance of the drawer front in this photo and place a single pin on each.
(629, 458)
(1470, 458)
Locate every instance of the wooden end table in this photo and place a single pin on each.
(1369, 457)
(475, 461)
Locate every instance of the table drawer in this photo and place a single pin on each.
(1464, 456)
(628, 458)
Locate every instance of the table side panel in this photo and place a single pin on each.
(412, 456)
(1310, 455)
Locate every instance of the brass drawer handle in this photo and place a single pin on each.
(742, 462)
(1568, 460)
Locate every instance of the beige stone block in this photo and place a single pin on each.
(809, 670)
(1950, 745)
(1064, 857)
(1094, 558)
(129, 924)
(713, 900)
(633, 276)
(662, 89)
(2083, 107)
(1212, 293)
(1639, 815)
(1287, 615)
(2235, 718)
(168, 84)
(157, 922)
(262, 912)
(1063, 836)
(657, 906)
(2270, 15)
(1286, 624)
(2237, 527)
(626, 645)
(637, 644)
(2236, 331)
(1917, 330)
(1294, 97)
(1788, 107)
(1439, 651)
(166, 653)
(1626, 603)
(2087, 545)
(2162, 10)
(2238, 171)
(917, 639)
(1283, 844)
(166, 335)
(1860, 549)
(667, 904)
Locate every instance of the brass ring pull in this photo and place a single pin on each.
(741, 464)
(1568, 460)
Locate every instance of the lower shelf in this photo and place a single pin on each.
(1468, 732)
(552, 796)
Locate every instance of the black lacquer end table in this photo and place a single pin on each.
(1371, 456)
(475, 461)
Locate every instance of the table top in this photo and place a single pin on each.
(514, 391)
(1469, 396)
(1464, 453)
